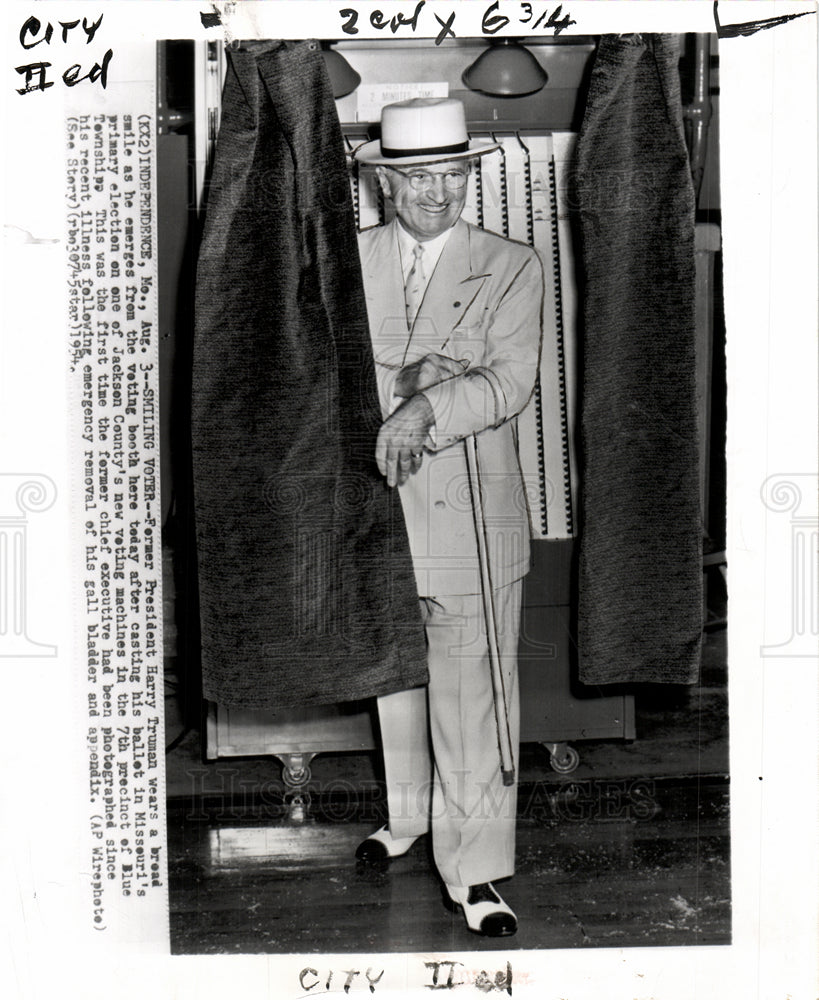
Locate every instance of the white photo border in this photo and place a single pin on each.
(769, 196)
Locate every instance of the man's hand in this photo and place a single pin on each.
(399, 449)
(427, 371)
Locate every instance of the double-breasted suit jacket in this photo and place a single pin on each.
(482, 306)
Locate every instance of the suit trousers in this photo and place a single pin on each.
(441, 756)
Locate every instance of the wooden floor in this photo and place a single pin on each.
(613, 864)
(630, 850)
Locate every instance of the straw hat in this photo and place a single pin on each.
(422, 130)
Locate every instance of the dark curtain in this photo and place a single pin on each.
(640, 573)
(306, 584)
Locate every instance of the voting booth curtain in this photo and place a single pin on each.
(306, 585)
(640, 574)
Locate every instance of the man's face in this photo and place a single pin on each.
(428, 199)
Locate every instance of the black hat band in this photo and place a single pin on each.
(456, 147)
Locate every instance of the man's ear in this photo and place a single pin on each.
(384, 182)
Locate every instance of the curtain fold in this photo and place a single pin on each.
(306, 585)
(640, 568)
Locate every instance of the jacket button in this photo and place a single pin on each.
(456, 304)
(439, 504)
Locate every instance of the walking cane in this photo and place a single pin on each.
(507, 760)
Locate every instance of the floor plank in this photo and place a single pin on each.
(630, 850)
(281, 888)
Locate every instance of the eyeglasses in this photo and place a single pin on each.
(420, 180)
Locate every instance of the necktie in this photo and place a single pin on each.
(414, 285)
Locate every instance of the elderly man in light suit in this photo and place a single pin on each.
(455, 320)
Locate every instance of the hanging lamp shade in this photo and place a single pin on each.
(343, 78)
(505, 69)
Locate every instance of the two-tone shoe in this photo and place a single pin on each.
(485, 911)
(382, 846)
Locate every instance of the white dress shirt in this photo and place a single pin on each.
(432, 251)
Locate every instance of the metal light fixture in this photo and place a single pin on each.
(505, 69)
(343, 78)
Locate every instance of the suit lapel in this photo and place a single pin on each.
(450, 292)
(384, 285)
(383, 271)
(453, 287)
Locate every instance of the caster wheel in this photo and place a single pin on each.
(296, 771)
(296, 777)
(564, 759)
(298, 806)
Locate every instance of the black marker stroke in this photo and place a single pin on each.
(751, 27)
(210, 20)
